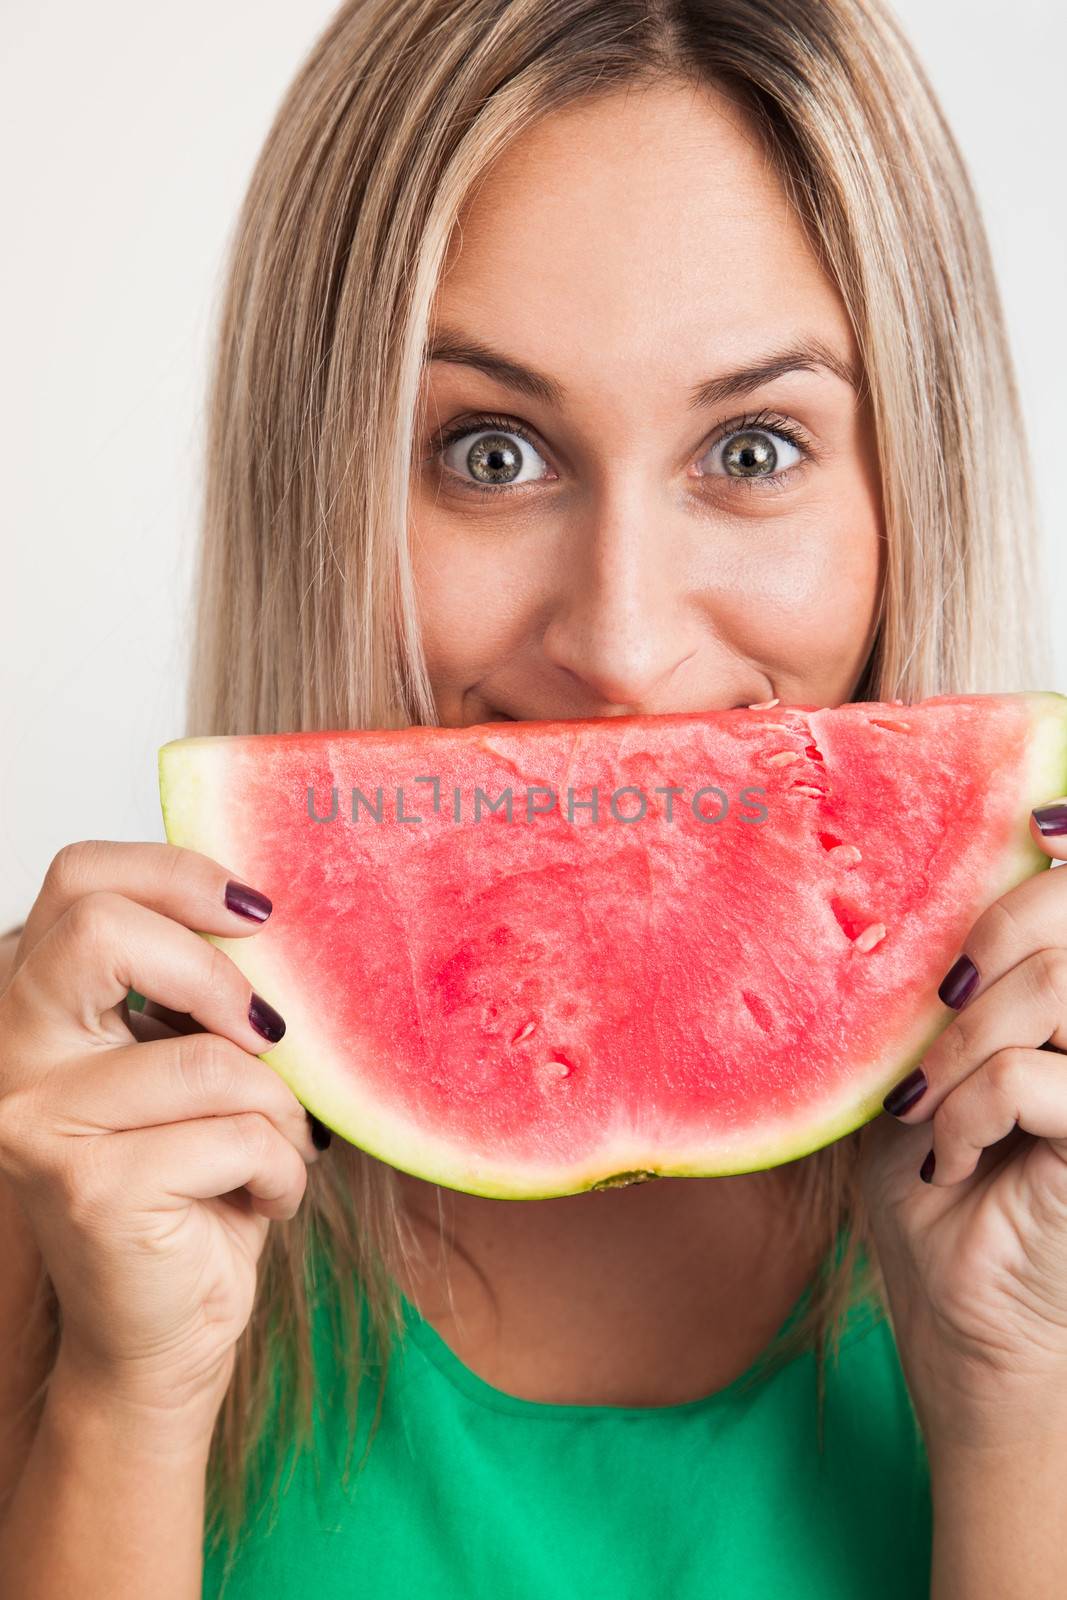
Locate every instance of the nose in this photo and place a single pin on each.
(622, 622)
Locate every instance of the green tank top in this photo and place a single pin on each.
(470, 1493)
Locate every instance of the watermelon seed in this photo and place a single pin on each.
(777, 727)
(870, 936)
(763, 705)
(781, 758)
(809, 788)
(890, 724)
(551, 1073)
(846, 855)
(524, 1032)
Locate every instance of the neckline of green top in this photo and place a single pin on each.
(862, 1317)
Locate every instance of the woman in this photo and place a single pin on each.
(577, 359)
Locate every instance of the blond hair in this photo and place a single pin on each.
(306, 614)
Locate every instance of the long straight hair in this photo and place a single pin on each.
(305, 608)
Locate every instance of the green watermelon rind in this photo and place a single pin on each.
(194, 816)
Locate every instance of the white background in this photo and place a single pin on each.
(129, 132)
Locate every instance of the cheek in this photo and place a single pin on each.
(473, 599)
(800, 595)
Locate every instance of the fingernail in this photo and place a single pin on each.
(926, 1171)
(1051, 819)
(320, 1136)
(906, 1093)
(265, 1019)
(247, 902)
(959, 982)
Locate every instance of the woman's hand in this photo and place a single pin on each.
(975, 1256)
(147, 1161)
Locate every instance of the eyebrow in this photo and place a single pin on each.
(808, 355)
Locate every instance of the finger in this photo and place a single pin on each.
(180, 883)
(163, 1168)
(103, 945)
(1048, 827)
(1029, 917)
(185, 1078)
(1027, 1006)
(1016, 1088)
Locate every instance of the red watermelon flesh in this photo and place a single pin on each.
(542, 1005)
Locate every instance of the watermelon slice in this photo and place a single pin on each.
(725, 967)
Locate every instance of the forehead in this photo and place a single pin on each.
(629, 226)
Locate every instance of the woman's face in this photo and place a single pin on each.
(646, 524)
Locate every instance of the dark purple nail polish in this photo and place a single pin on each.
(959, 982)
(320, 1136)
(926, 1171)
(903, 1096)
(1051, 819)
(265, 1019)
(247, 902)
